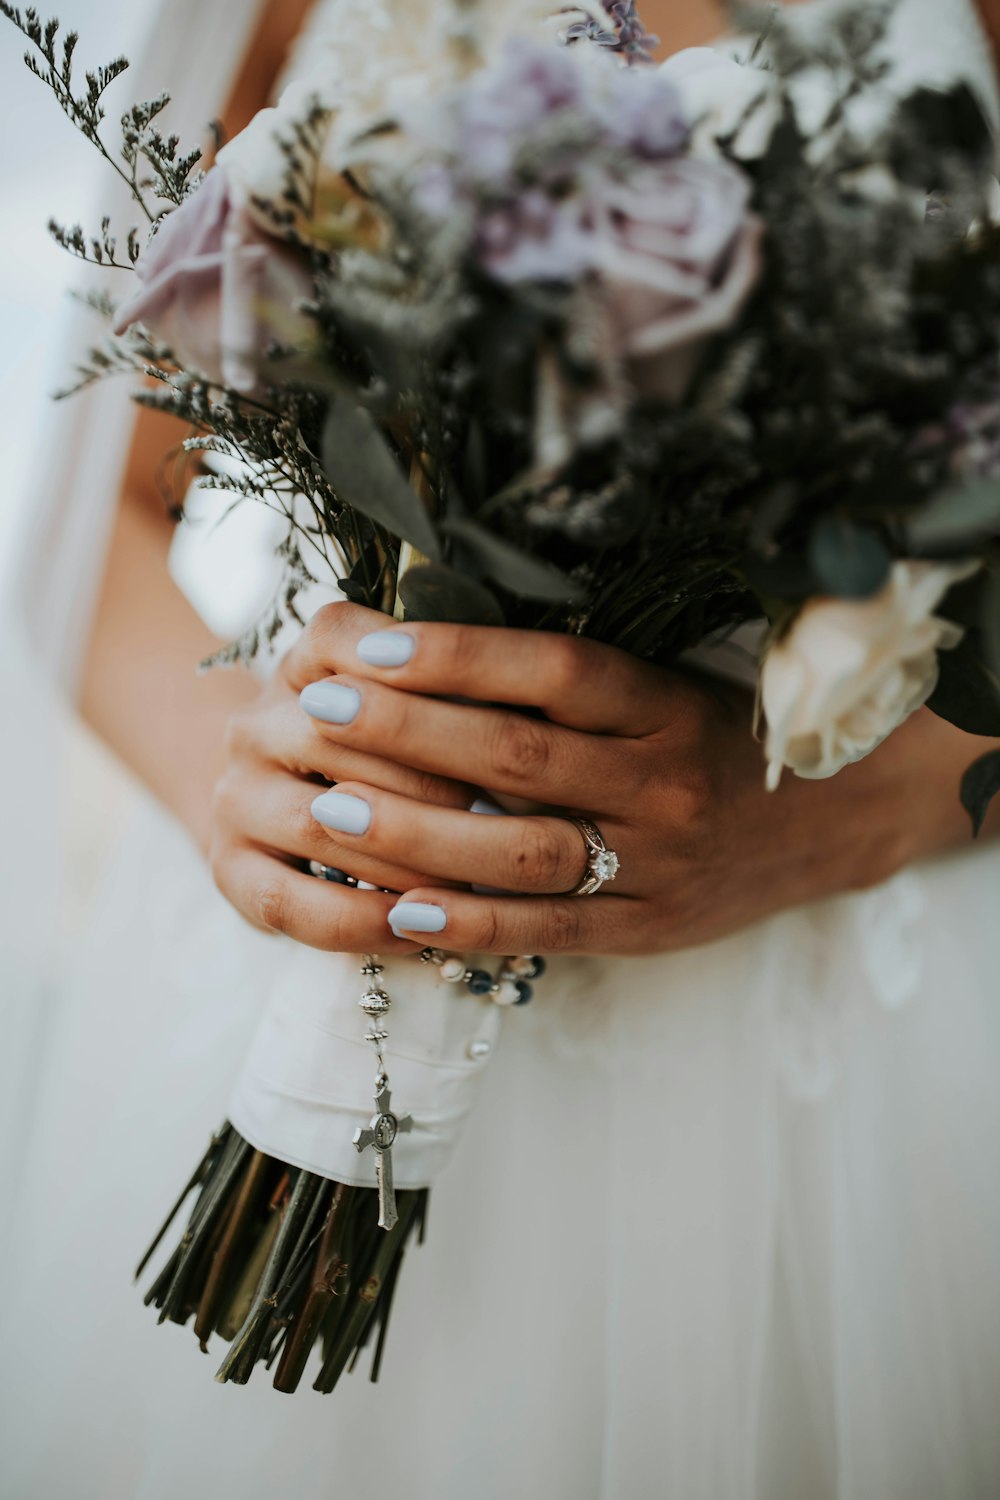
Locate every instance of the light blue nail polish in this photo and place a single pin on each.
(487, 807)
(416, 916)
(342, 812)
(386, 648)
(332, 702)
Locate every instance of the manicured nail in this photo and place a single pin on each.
(342, 813)
(486, 806)
(331, 701)
(416, 916)
(386, 648)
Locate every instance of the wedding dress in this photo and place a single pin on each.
(723, 1224)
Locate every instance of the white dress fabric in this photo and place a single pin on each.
(723, 1225)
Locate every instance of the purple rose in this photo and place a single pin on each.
(679, 254)
(215, 289)
(536, 238)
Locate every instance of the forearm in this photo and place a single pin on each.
(141, 691)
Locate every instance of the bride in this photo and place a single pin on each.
(725, 1222)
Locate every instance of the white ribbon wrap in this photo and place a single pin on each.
(309, 1079)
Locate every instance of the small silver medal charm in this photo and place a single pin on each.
(384, 1126)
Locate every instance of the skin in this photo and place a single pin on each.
(665, 763)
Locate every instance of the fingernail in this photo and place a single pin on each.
(486, 806)
(386, 648)
(416, 916)
(342, 812)
(331, 701)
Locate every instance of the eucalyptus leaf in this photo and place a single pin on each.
(849, 560)
(432, 591)
(989, 620)
(980, 785)
(364, 474)
(968, 693)
(957, 515)
(522, 574)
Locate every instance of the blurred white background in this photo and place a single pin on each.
(47, 170)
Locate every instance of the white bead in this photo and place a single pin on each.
(506, 993)
(452, 969)
(480, 1049)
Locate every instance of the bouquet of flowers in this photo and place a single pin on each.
(514, 326)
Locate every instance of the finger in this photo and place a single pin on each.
(489, 747)
(538, 855)
(511, 924)
(329, 642)
(277, 812)
(582, 684)
(273, 896)
(288, 738)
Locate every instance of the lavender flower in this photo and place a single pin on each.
(625, 34)
(508, 104)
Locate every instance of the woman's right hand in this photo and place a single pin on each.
(263, 830)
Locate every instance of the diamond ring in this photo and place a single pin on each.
(603, 863)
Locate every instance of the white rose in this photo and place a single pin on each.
(257, 166)
(848, 672)
(724, 97)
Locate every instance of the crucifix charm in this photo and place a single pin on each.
(380, 1132)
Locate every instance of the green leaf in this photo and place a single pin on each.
(848, 560)
(432, 591)
(980, 785)
(968, 693)
(957, 515)
(364, 474)
(989, 620)
(517, 571)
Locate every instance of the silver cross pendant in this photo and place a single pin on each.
(380, 1132)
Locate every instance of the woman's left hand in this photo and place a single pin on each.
(664, 763)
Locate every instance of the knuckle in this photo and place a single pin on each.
(564, 663)
(560, 926)
(302, 828)
(490, 937)
(456, 652)
(425, 786)
(316, 647)
(327, 622)
(538, 860)
(694, 795)
(521, 749)
(271, 906)
(238, 734)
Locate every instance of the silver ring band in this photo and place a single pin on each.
(603, 863)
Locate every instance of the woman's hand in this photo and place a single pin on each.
(664, 763)
(263, 832)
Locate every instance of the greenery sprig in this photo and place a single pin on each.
(155, 171)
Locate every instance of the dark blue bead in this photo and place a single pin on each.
(524, 992)
(538, 967)
(339, 877)
(480, 983)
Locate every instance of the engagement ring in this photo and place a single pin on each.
(603, 863)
